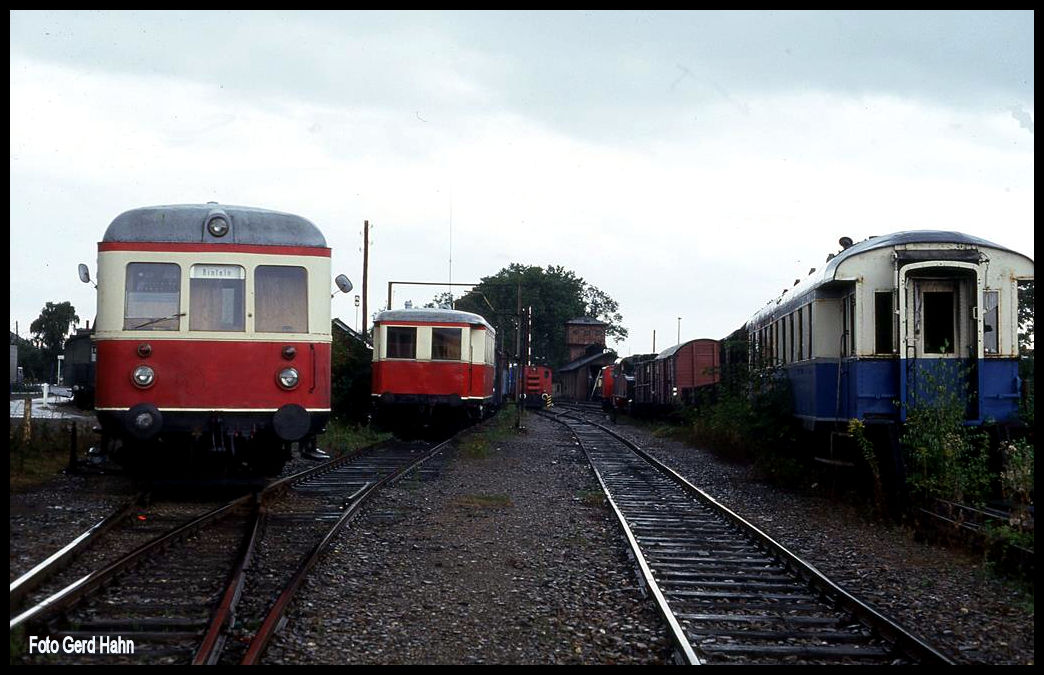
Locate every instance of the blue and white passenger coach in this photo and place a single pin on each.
(887, 317)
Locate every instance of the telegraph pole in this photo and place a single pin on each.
(520, 373)
(366, 265)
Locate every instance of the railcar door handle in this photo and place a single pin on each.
(311, 349)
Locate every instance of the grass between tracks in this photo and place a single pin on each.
(40, 452)
(341, 437)
(478, 443)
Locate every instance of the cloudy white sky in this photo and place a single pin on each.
(689, 164)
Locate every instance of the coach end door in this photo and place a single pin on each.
(940, 334)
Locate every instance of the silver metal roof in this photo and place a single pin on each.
(431, 315)
(186, 223)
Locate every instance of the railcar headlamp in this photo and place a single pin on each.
(288, 378)
(143, 377)
(218, 226)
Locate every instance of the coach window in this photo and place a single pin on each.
(792, 354)
(402, 342)
(445, 344)
(807, 327)
(777, 344)
(217, 297)
(938, 322)
(849, 326)
(884, 323)
(280, 299)
(153, 297)
(801, 334)
(989, 322)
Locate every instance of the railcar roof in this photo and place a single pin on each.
(185, 223)
(431, 315)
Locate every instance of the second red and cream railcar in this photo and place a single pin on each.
(432, 368)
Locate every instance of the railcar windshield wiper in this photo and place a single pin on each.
(162, 318)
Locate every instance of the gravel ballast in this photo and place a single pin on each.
(507, 556)
(545, 577)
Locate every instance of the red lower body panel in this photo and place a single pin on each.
(212, 375)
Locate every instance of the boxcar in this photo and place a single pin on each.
(676, 375)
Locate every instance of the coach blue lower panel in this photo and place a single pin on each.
(873, 388)
(995, 382)
(866, 387)
(1000, 389)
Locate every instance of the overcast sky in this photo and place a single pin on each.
(689, 164)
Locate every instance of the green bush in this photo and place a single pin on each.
(749, 419)
(1017, 482)
(944, 458)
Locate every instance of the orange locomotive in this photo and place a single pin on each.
(536, 386)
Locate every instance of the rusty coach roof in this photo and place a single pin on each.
(670, 351)
(186, 223)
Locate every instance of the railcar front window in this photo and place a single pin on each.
(217, 298)
(153, 297)
(402, 342)
(280, 299)
(445, 344)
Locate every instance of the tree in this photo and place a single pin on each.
(52, 327)
(1026, 367)
(351, 374)
(1026, 304)
(556, 296)
(604, 308)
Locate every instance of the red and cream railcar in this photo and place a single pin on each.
(432, 368)
(212, 335)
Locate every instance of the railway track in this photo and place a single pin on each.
(210, 588)
(729, 593)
